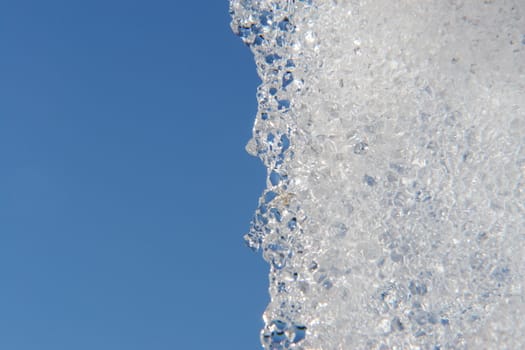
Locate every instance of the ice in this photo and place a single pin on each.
(394, 137)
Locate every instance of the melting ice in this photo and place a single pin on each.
(394, 137)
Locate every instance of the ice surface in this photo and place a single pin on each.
(394, 137)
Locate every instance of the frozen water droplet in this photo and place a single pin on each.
(292, 224)
(397, 325)
(369, 180)
(251, 147)
(287, 79)
(361, 148)
(272, 58)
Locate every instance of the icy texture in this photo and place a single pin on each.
(394, 137)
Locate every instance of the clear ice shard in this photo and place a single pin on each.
(394, 137)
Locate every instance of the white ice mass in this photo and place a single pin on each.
(394, 137)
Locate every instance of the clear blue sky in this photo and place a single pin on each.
(124, 185)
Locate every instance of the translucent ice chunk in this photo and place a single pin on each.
(394, 137)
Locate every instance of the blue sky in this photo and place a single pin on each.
(124, 185)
